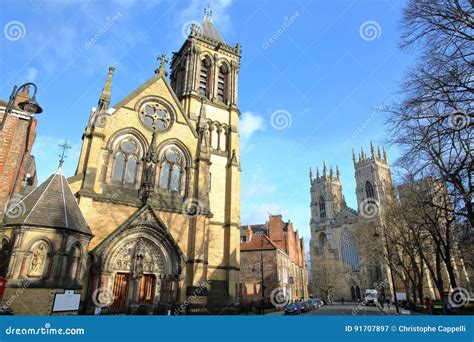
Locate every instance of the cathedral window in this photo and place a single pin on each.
(369, 190)
(172, 170)
(222, 84)
(75, 263)
(322, 208)
(154, 114)
(126, 162)
(204, 78)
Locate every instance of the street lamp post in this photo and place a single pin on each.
(30, 106)
(395, 300)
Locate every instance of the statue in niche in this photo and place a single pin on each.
(38, 260)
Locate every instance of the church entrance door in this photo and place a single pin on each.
(120, 292)
(147, 289)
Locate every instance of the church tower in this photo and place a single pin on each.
(374, 185)
(158, 181)
(326, 196)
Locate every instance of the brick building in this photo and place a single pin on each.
(17, 134)
(284, 265)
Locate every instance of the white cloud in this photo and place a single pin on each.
(249, 124)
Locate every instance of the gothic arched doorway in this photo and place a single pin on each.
(353, 293)
(140, 266)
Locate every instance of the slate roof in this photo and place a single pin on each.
(51, 204)
(208, 29)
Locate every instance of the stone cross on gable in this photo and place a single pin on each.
(163, 61)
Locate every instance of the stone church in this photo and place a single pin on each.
(333, 222)
(152, 215)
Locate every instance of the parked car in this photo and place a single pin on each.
(307, 306)
(314, 303)
(293, 309)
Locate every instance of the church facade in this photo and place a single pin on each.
(333, 223)
(158, 185)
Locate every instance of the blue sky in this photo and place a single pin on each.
(322, 67)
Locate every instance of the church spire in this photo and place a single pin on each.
(106, 94)
(310, 174)
(324, 169)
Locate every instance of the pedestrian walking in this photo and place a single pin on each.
(388, 303)
(342, 299)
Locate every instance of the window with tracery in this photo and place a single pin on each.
(126, 162)
(369, 190)
(172, 170)
(322, 208)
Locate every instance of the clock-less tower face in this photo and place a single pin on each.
(153, 113)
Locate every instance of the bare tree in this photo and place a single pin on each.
(433, 123)
(330, 274)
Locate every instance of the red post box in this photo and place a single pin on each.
(3, 285)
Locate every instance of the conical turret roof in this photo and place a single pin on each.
(52, 204)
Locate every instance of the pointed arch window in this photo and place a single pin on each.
(204, 78)
(126, 162)
(322, 207)
(369, 190)
(222, 80)
(172, 170)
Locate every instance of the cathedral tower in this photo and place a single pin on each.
(373, 181)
